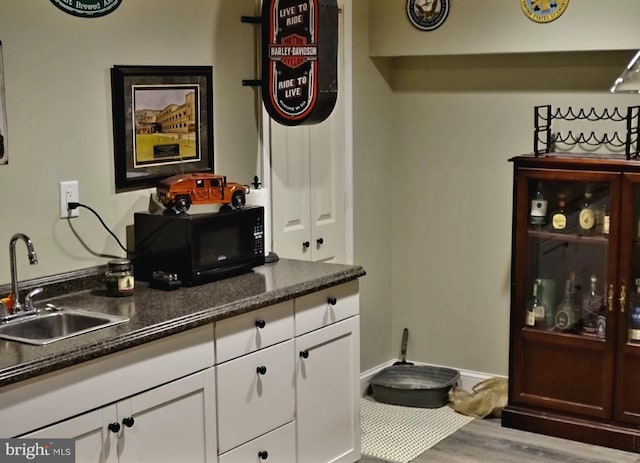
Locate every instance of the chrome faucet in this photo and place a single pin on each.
(33, 259)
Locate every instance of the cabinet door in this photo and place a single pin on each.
(291, 191)
(308, 190)
(566, 242)
(174, 422)
(327, 206)
(627, 306)
(94, 442)
(327, 394)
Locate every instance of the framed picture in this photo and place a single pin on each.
(162, 123)
(4, 152)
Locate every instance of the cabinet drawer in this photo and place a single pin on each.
(279, 445)
(255, 330)
(251, 403)
(325, 307)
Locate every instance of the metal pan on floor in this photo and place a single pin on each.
(411, 385)
(421, 386)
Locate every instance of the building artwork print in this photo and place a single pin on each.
(165, 121)
(162, 123)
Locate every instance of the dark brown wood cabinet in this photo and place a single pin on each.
(574, 357)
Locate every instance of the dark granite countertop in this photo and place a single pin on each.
(155, 313)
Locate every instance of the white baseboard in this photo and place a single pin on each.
(468, 378)
(365, 376)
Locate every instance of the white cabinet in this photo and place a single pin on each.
(255, 382)
(308, 191)
(174, 422)
(327, 375)
(94, 441)
(288, 388)
(308, 183)
(327, 394)
(279, 383)
(56, 396)
(255, 395)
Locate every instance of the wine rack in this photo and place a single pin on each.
(546, 140)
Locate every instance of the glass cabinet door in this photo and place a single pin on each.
(568, 231)
(626, 306)
(565, 281)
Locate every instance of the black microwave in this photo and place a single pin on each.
(199, 248)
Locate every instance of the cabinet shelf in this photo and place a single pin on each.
(552, 331)
(569, 237)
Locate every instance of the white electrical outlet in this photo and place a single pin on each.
(68, 194)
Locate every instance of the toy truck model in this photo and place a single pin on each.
(182, 190)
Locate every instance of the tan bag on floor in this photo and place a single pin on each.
(489, 397)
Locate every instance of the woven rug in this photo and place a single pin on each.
(399, 434)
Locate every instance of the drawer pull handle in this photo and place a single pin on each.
(304, 354)
(263, 454)
(320, 241)
(306, 244)
(332, 300)
(261, 323)
(114, 427)
(261, 370)
(128, 421)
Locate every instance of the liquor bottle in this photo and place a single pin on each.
(536, 308)
(559, 217)
(549, 301)
(601, 325)
(587, 216)
(606, 221)
(566, 311)
(592, 305)
(634, 314)
(538, 214)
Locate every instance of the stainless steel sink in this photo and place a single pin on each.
(48, 327)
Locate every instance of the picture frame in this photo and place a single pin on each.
(162, 123)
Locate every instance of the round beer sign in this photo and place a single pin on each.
(87, 8)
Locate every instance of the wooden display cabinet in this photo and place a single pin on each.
(576, 378)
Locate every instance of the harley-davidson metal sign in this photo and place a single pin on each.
(299, 59)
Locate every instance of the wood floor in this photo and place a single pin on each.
(486, 441)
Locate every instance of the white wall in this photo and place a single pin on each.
(373, 154)
(432, 136)
(58, 102)
(456, 120)
(499, 26)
